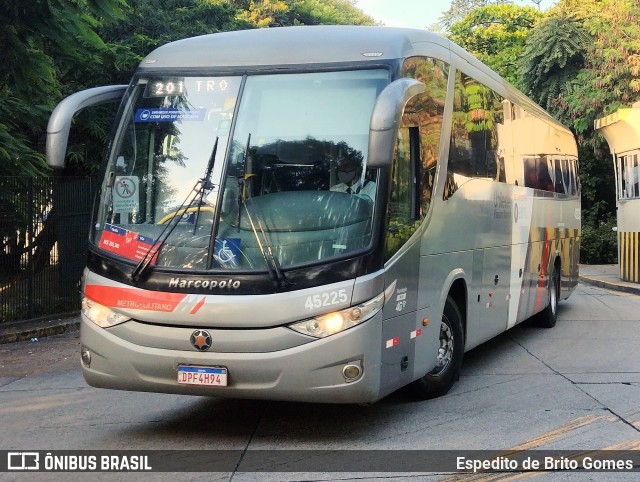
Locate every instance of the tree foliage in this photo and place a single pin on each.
(43, 40)
(496, 34)
(554, 54)
(278, 13)
(148, 24)
(611, 77)
(460, 9)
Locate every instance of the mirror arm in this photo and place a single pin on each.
(60, 120)
(386, 117)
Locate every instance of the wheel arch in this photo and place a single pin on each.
(456, 288)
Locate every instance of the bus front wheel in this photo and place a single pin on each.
(449, 359)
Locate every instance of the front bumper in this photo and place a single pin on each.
(308, 372)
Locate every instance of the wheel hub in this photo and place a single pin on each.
(445, 351)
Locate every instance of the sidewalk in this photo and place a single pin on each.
(34, 329)
(606, 276)
(603, 276)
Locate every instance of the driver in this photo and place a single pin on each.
(351, 180)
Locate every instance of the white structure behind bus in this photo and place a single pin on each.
(622, 131)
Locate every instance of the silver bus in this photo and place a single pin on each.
(318, 214)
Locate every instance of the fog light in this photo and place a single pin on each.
(351, 372)
(85, 356)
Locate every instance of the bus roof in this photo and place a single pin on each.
(282, 47)
(291, 46)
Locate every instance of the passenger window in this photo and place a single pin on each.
(558, 184)
(537, 173)
(475, 150)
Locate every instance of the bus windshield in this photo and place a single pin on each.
(204, 174)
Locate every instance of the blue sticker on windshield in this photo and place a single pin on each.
(227, 252)
(169, 114)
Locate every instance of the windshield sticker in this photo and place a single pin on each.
(125, 243)
(126, 197)
(227, 252)
(169, 114)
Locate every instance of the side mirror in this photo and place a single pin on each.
(386, 117)
(60, 120)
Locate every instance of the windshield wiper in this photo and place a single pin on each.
(270, 259)
(198, 191)
(205, 183)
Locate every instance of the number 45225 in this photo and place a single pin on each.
(329, 298)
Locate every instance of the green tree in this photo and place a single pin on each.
(459, 9)
(146, 27)
(277, 13)
(329, 12)
(496, 34)
(554, 54)
(265, 13)
(611, 77)
(42, 40)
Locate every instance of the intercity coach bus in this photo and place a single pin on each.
(318, 214)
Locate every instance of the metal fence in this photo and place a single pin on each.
(44, 225)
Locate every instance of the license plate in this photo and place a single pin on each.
(204, 376)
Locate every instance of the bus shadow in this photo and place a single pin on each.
(229, 423)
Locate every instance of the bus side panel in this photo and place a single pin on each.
(409, 348)
(554, 233)
(439, 272)
(471, 232)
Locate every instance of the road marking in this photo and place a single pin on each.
(534, 443)
(562, 431)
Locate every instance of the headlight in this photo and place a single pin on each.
(101, 315)
(337, 321)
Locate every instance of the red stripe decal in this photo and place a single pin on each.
(197, 307)
(133, 298)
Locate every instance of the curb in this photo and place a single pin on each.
(625, 288)
(26, 330)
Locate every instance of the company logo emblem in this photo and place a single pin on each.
(23, 461)
(201, 340)
(204, 283)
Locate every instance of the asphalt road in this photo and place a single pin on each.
(573, 387)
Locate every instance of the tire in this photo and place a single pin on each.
(548, 317)
(447, 370)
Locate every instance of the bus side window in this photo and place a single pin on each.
(402, 207)
(475, 150)
(557, 177)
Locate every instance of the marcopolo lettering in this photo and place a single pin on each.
(204, 283)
